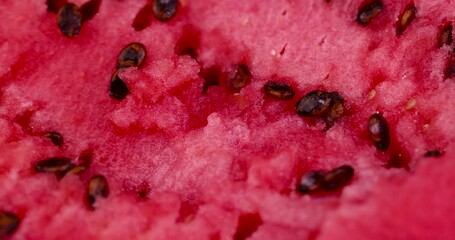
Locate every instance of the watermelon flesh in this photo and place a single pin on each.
(183, 164)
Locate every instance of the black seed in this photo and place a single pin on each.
(97, 187)
(406, 18)
(54, 164)
(143, 18)
(369, 11)
(90, 9)
(279, 90)
(314, 104)
(310, 182)
(8, 223)
(338, 177)
(379, 131)
(133, 55)
(164, 10)
(118, 88)
(239, 77)
(326, 105)
(55, 137)
(55, 5)
(433, 153)
(69, 20)
(445, 35)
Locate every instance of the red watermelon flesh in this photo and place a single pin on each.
(183, 164)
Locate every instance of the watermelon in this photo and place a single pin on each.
(210, 119)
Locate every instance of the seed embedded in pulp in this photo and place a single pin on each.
(369, 11)
(54, 164)
(279, 90)
(133, 55)
(164, 10)
(378, 130)
(69, 20)
(310, 182)
(433, 153)
(239, 77)
(338, 177)
(55, 137)
(406, 18)
(97, 188)
(118, 88)
(326, 105)
(8, 223)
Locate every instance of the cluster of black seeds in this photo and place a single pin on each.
(316, 181)
(371, 9)
(8, 223)
(70, 17)
(60, 166)
(133, 55)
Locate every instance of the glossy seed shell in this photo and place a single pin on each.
(378, 130)
(338, 177)
(97, 188)
(279, 90)
(369, 11)
(54, 164)
(69, 20)
(133, 55)
(164, 10)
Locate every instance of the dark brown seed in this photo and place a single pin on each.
(69, 20)
(433, 153)
(338, 177)
(238, 78)
(54, 164)
(97, 188)
(8, 223)
(369, 11)
(133, 55)
(326, 105)
(406, 18)
(55, 137)
(55, 5)
(164, 10)
(379, 131)
(445, 34)
(314, 104)
(310, 182)
(279, 90)
(90, 9)
(118, 88)
(143, 18)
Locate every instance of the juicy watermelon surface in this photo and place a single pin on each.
(183, 164)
